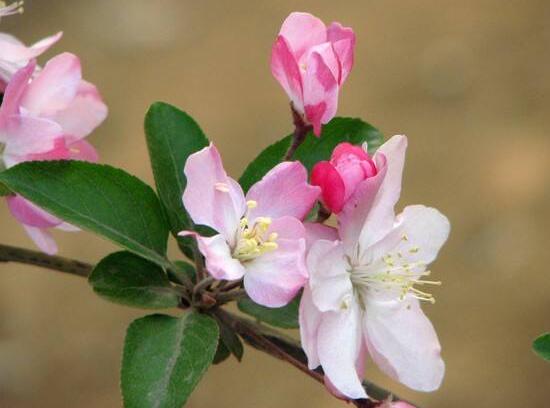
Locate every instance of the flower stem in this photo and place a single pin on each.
(301, 129)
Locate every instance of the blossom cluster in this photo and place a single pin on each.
(46, 114)
(360, 281)
(361, 274)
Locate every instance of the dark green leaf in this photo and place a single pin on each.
(230, 339)
(4, 191)
(172, 136)
(285, 317)
(165, 357)
(542, 346)
(99, 198)
(127, 279)
(182, 272)
(313, 149)
(222, 353)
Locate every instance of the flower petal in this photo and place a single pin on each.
(42, 238)
(14, 92)
(320, 87)
(83, 114)
(219, 262)
(29, 214)
(403, 343)
(343, 41)
(303, 31)
(328, 279)
(339, 346)
(54, 87)
(84, 151)
(310, 319)
(283, 191)
(274, 278)
(371, 208)
(333, 189)
(212, 198)
(13, 50)
(316, 231)
(284, 68)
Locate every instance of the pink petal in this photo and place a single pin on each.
(283, 191)
(339, 348)
(320, 87)
(27, 136)
(219, 261)
(43, 239)
(284, 68)
(83, 114)
(212, 198)
(303, 31)
(54, 87)
(403, 342)
(14, 92)
(329, 280)
(84, 151)
(343, 41)
(310, 319)
(11, 49)
(347, 149)
(333, 190)
(29, 214)
(316, 232)
(275, 278)
(287, 228)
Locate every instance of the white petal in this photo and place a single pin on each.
(43, 239)
(316, 231)
(403, 343)
(310, 318)
(339, 348)
(329, 281)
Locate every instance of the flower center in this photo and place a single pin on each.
(13, 8)
(393, 275)
(252, 238)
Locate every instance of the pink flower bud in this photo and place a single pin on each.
(339, 177)
(311, 62)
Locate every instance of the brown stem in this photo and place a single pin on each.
(56, 263)
(301, 129)
(256, 335)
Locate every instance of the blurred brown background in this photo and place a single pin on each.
(467, 81)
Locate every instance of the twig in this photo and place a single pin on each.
(56, 263)
(301, 129)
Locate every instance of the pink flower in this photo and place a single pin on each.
(260, 236)
(15, 55)
(47, 118)
(339, 177)
(361, 296)
(312, 62)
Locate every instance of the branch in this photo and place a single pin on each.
(301, 130)
(56, 263)
(256, 335)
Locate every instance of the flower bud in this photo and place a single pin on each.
(339, 177)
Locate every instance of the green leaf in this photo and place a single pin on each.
(165, 357)
(172, 136)
(230, 340)
(127, 279)
(285, 317)
(4, 191)
(98, 198)
(222, 353)
(313, 149)
(182, 272)
(541, 346)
